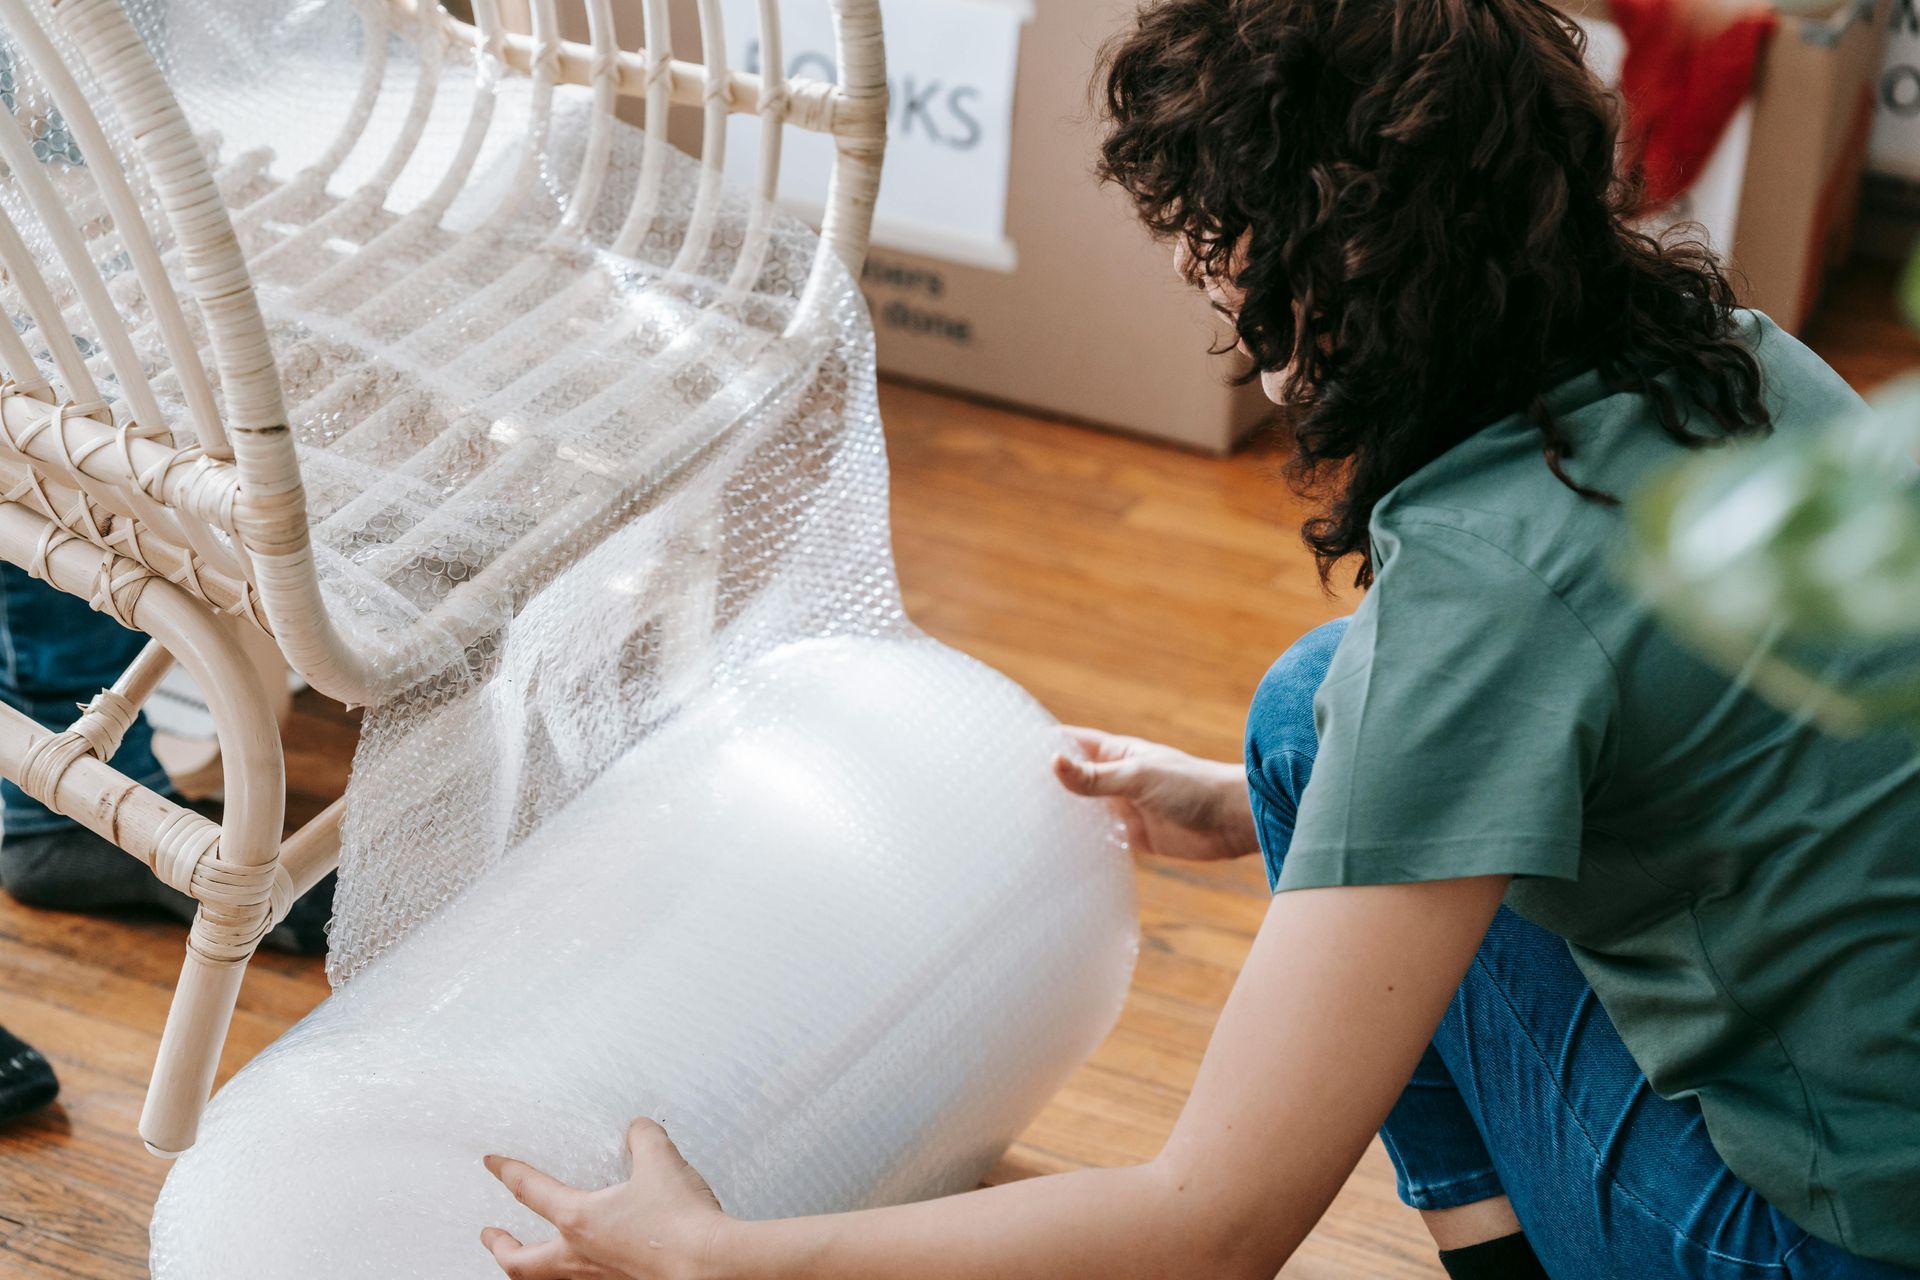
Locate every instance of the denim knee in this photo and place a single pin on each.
(1282, 741)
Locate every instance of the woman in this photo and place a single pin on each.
(1689, 1043)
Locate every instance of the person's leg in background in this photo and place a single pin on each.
(1527, 1112)
(56, 652)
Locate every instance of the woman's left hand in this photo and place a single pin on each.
(660, 1224)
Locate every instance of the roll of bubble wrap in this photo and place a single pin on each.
(846, 955)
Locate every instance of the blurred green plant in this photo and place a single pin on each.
(1783, 558)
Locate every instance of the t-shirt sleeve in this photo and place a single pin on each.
(1461, 725)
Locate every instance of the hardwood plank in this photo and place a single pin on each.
(1126, 584)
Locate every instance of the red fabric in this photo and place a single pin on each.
(1682, 81)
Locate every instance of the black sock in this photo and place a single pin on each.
(1508, 1258)
(26, 1080)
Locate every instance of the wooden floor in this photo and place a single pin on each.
(1126, 585)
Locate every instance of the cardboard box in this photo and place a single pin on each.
(1091, 323)
(1890, 201)
(1779, 197)
(1813, 110)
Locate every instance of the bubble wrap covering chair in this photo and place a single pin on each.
(149, 462)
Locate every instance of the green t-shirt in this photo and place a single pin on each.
(1741, 889)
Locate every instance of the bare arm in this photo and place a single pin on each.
(1337, 1000)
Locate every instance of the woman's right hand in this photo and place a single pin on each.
(1173, 804)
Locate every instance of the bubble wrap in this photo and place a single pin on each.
(833, 926)
(665, 808)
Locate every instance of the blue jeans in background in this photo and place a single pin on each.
(55, 652)
(1528, 1090)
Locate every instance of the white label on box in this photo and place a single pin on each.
(1895, 145)
(950, 66)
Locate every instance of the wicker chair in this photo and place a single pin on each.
(193, 545)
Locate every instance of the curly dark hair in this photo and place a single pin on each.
(1417, 201)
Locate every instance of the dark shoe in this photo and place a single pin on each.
(72, 869)
(26, 1079)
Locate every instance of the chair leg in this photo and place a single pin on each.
(203, 1002)
(189, 1053)
(237, 890)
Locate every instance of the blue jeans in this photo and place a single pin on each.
(56, 652)
(1528, 1090)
